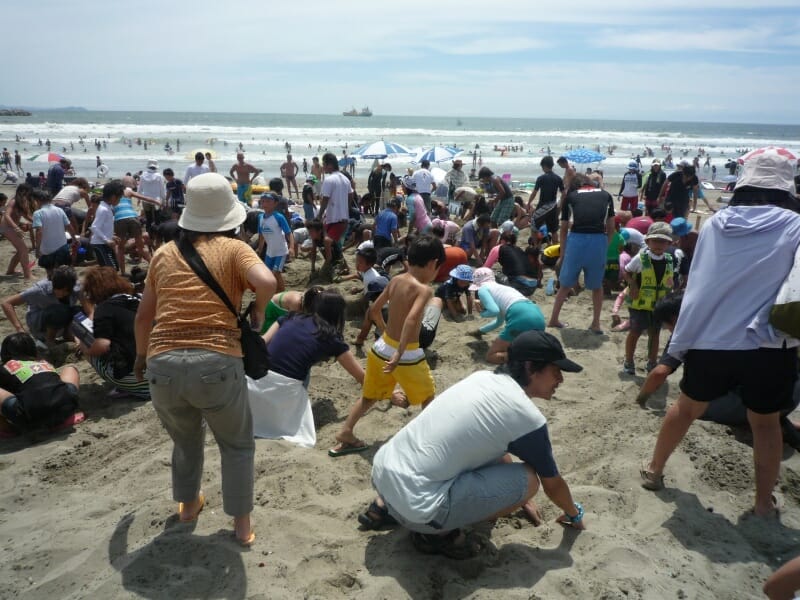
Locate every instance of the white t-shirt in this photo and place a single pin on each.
(53, 222)
(274, 229)
(472, 423)
(423, 180)
(336, 188)
(68, 196)
(193, 171)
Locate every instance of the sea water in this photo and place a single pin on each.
(264, 138)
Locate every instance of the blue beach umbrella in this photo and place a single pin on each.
(583, 156)
(380, 149)
(437, 154)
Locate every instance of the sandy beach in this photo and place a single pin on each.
(89, 513)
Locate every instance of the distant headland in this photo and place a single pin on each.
(26, 111)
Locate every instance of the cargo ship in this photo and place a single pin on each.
(365, 112)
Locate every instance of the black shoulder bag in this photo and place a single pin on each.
(254, 348)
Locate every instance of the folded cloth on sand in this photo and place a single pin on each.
(281, 409)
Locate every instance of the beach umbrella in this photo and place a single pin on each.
(380, 149)
(51, 157)
(583, 156)
(191, 154)
(767, 150)
(437, 154)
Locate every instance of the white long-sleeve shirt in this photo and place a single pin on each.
(103, 224)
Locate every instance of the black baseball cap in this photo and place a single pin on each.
(541, 347)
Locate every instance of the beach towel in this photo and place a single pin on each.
(281, 409)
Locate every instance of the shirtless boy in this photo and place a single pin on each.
(396, 357)
(289, 170)
(243, 173)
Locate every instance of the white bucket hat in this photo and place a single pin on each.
(768, 170)
(211, 205)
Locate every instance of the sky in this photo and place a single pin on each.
(709, 60)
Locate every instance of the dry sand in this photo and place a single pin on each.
(89, 514)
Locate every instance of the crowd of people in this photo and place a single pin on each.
(422, 250)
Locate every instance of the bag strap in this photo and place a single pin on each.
(195, 261)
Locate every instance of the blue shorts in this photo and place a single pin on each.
(474, 496)
(585, 252)
(241, 192)
(275, 263)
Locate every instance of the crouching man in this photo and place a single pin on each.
(451, 467)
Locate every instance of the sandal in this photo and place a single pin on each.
(376, 517)
(651, 481)
(455, 545)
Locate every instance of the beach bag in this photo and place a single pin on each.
(785, 313)
(254, 348)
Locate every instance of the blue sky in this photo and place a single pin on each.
(681, 60)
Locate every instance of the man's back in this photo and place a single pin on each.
(548, 185)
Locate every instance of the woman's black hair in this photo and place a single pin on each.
(328, 314)
(310, 299)
(18, 346)
(193, 236)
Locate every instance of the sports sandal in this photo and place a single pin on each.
(376, 517)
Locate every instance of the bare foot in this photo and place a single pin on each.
(531, 511)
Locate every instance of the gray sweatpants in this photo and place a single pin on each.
(187, 386)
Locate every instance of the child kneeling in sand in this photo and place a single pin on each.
(395, 358)
(32, 393)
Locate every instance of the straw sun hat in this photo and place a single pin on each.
(210, 205)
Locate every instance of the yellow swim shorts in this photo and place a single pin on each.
(413, 373)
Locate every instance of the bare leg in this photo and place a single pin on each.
(358, 410)
(630, 344)
(767, 449)
(561, 297)
(677, 421)
(597, 308)
(120, 250)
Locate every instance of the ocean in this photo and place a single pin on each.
(123, 135)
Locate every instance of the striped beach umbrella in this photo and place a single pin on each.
(380, 149)
(437, 154)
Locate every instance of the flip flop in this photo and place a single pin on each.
(69, 422)
(597, 331)
(345, 448)
(246, 543)
(559, 325)
(193, 518)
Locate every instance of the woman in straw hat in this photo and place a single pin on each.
(193, 351)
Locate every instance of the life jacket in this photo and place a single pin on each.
(650, 289)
